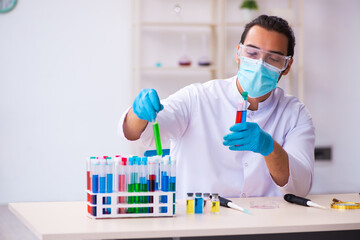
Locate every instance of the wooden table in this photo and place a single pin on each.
(68, 220)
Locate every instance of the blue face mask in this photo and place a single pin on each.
(257, 77)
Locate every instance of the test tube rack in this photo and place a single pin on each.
(131, 186)
(98, 209)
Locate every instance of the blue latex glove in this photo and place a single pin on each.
(248, 136)
(147, 104)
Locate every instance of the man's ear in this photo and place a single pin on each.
(288, 67)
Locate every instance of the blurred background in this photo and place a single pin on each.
(69, 69)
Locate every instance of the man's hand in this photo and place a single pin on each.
(147, 104)
(248, 136)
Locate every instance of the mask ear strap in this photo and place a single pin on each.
(281, 73)
(237, 54)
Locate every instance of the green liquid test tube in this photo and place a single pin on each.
(137, 198)
(131, 183)
(131, 198)
(157, 138)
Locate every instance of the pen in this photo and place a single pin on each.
(228, 203)
(291, 198)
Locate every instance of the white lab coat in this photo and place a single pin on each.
(196, 118)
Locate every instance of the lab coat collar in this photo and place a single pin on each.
(269, 101)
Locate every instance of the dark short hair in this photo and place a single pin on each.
(273, 23)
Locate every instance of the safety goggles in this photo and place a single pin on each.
(273, 59)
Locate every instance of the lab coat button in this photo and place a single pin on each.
(245, 164)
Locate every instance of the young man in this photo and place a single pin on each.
(269, 155)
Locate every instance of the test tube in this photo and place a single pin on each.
(102, 177)
(242, 109)
(122, 176)
(94, 183)
(143, 182)
(165, 172)
(207, 203)
(157, 162)
(102, 174)
(137, 181)
(88, 173)
(190, 203)
(245, 106)
(198, 203)
(88, 177)
(95, 176)
(117, 164)
(161, 179)
(119, 181)
(172, 183)
(215, 204)
(151, 184)
(109, 180)
(131, 182)
(157, 138)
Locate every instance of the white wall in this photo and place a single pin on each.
(332, 37)
(65, 79)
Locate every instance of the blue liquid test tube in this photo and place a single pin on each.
(102, 177)
(94, 183)
(94, 176)
(164, 169)
(137, 185)
(172, 183)
(109, 180)
(144, 183)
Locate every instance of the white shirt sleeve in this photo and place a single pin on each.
(120, 130)
(173, 119)
(299, 145)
